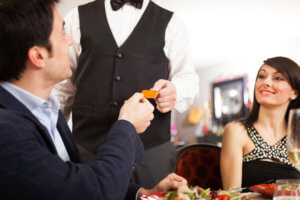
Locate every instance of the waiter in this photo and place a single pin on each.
(121, 48)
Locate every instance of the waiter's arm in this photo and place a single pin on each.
(183, 76)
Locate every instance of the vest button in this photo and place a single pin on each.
(115, 103)
(117, 78)
(119, 55)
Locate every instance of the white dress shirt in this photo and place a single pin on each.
(45, 111)
(121, 23)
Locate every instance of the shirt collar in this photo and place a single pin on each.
(28, 99)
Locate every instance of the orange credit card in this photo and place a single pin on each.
(150, 93)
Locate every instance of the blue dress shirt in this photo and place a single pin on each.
(45, 111)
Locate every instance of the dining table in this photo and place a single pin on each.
(251, 195)
(258, 196)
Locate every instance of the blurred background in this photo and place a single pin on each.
(229, 41)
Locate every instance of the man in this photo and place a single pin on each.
(121, 48)
(38, 157)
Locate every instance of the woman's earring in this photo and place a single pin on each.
(292, 98)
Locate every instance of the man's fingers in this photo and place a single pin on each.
(173, 176)
(176, 184)
(137, 96)
(166, 92)
(139, 111)
(177, 180)
(150, 106)
(166, 99)
(164, 105)
(163, 110)
(151, 117)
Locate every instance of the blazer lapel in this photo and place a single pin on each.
(66, 136)
(8, 101)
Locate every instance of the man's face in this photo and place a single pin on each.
(58, 63)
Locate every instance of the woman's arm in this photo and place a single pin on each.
(232, 155)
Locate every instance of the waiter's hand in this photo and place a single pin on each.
(171, 182)
(138, 111)
(166, 98)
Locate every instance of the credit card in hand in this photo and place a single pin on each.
(150, 93)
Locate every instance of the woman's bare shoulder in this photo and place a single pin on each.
(235, 126)
(235, 131)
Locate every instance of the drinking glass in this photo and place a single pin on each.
(287, 189)
(293, 137)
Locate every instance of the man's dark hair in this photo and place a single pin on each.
(23, 24)
(291, 71)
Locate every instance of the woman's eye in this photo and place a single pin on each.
(277, 78)
(261, 76)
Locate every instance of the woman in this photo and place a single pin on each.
(254, 149)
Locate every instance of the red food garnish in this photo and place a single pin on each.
(272, 186)
(223, 197)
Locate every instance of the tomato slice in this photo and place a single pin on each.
(223, 197)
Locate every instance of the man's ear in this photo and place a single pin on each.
(38, 56)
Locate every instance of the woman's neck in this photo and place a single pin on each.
(272, 119)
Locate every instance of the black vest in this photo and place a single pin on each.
(107, 75)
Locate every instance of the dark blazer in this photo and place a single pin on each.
(30, 167)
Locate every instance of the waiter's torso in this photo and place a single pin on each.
(107, 74)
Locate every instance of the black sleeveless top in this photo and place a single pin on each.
(107, 75)
(262, 150)
(256, 171)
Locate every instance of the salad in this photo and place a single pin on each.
(287, 186)
(198, 193)
(288, 189)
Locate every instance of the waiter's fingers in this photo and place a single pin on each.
(158, 85)
(163, 109)
(165, 99)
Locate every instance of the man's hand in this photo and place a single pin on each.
(166, 98)
(171, 182)
(137, 110)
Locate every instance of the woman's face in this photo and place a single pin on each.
(272, 88)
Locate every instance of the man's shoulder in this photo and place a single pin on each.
(73, 13)
(91, 3)
(7, 114)
(10, 119)
(161, 6)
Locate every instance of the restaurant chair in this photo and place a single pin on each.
(200, 165)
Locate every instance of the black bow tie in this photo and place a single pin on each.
(117, 4)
